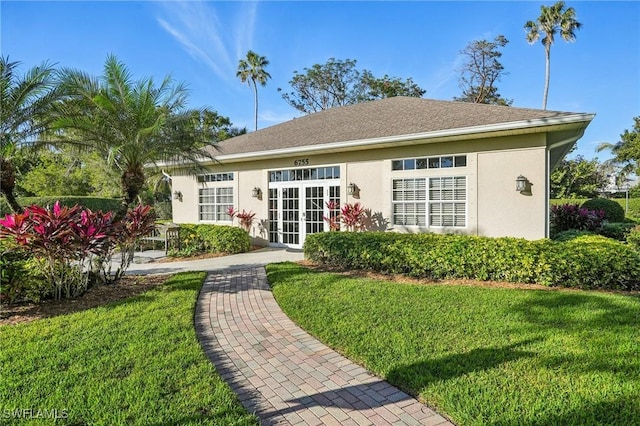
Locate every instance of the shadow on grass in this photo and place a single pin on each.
(575, 311)
(617, 411)
(417, 376)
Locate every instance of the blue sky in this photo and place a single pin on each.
(200, 43)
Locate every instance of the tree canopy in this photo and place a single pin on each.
(552, 20)
(481, 71)
(338, 82)
(252, 71)
(626, 151)
(578, 178)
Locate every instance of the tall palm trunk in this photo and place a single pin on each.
(255, 93)
(547, 75)
(8, 184)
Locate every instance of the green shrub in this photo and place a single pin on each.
(162, 210)
(21, 277)
(91, 203)
(633, 238)
(634, 204)
(613, 212)
(570, 234)
(205, 238)
(616, 230)
(587, 261)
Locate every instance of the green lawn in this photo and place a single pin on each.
(481, 355)
(136, 361)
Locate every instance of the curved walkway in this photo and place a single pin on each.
(281, 373)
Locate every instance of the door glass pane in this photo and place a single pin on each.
(314, 209)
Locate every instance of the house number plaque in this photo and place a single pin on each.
(301, 162)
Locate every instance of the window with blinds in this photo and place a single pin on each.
(436, 201)
(409, 202)
(448, 201)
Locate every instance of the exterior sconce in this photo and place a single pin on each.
(177, 195)
(256, 193)
(522, 184)
(352, 189)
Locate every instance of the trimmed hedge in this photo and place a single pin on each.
(613, 212)
(205, 238)
(91, 203)
(634, 204)
(587, 262)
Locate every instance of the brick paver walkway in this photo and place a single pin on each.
(281, 373)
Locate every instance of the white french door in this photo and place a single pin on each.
(299, 209)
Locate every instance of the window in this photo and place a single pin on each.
(215, 177)
(448, 201)
(430, 163)
(318, 173)
(445, 200)
(214, 203)
(409, 202)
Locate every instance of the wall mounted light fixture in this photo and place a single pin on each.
(256, 193)
(352, 189)
(177, 195)
(522, 184)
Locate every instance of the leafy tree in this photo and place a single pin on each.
(552, 19)
(69, 172)
(130, 123)
(252, 71)
(626, 151)
(481, 71)
(388, 87)
(578, 178)
(339, 82)
(25, 103)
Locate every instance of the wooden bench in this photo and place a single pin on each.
(166, 234)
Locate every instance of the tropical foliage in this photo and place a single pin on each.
(76, 245)
(252, 71)
(626, 151)
(552, 20)
(132, 123)
(24, 114)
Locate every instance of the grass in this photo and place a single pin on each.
(137, 361)
(499, 356)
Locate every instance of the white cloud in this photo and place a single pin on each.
(208, 38)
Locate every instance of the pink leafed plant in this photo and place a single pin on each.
(352, 216)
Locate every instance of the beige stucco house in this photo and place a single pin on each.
(415, 165)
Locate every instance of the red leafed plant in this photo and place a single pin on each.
(65, 237)
(76, 244)
(246, 219)
(333, 220)
(352, 216)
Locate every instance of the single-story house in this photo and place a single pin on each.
(414, 164)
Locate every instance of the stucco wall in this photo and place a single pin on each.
(502, 211)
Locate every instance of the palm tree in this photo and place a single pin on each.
(132, 124)
(552, 19)
(25, 102)
(251, 70)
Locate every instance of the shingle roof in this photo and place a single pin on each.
(377, 119)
